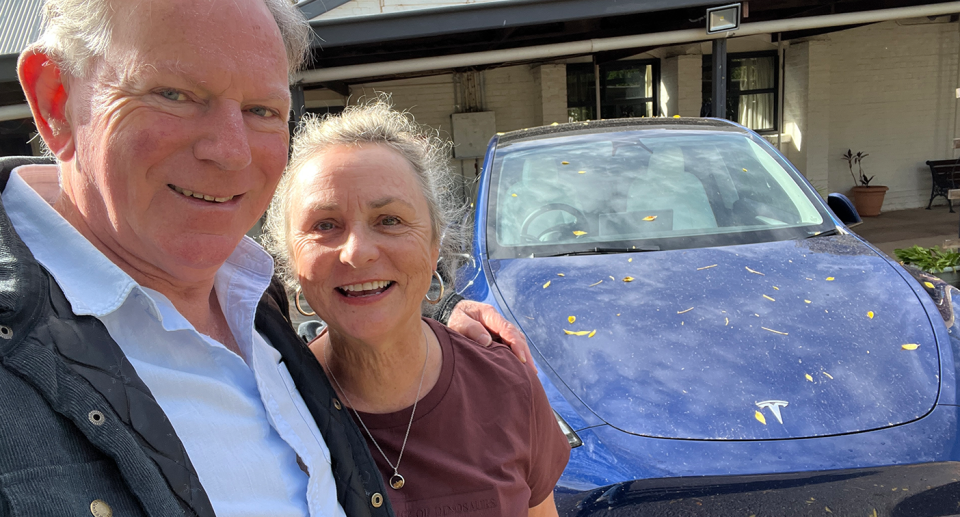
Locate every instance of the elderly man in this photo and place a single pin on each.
(142, 371)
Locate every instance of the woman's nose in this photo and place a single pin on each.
(359, 249)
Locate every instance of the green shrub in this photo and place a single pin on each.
(931, 260)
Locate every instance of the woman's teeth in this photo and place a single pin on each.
(199, 195)
(366, 288)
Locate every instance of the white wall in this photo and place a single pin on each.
(892, 95)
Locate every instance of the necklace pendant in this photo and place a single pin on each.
(396, 481)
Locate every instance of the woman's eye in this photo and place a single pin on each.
(261, 111)
(324, 226)
(173, 95)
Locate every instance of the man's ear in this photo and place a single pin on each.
(44, 88)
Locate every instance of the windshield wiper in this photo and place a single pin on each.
(825, 233)
(600, 251)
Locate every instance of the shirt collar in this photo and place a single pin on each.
(93, 284)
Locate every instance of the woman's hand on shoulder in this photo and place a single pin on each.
(483, 324)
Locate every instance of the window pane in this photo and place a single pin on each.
(756, 111)
(752, 73)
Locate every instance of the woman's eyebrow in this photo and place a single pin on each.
(384, 201)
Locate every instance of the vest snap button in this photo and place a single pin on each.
(99, 508)
(376, 500)
(6, 332)
(96, 418)
(336, 404)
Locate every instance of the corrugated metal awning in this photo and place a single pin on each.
(19, 24)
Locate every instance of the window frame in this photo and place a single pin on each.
(589, 69)
(734, 95)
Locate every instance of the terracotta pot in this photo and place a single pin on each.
(868, 200)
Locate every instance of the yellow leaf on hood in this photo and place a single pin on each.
(828, 375)
(514, 195)
(706, 267)
(581, 172)
(685, 310)
(579, 232)
(870, 314)
(576, 333)
(759, 416)
(564, 163)
(650, 218)
(628, 279)
(809, 377)
(546, 285)
(754, 272)
(910, 346)
(595, 283)
(829, 279)
(592, 333)
(560, 274)
(769, 298)
(929, 285)
(629, 260)
(807, 301)
(571, 319)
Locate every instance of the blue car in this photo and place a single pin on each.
(713, 338)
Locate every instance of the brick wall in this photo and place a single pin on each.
(892, 95)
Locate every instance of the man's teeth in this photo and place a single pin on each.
(198, 195)
(366, 286)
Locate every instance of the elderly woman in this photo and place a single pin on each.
(356, 225)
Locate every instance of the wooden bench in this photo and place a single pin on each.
(946, 176)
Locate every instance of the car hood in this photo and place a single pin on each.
(715, 343)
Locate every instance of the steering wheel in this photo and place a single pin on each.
(580, 223)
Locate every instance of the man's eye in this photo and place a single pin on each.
(390, 221)
(261, 111)
(324, 226)
(173, 95)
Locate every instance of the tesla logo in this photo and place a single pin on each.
(774, 406)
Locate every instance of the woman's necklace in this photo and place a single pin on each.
(396, 480)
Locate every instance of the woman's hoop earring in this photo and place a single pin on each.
(296, 301)
(439, 296)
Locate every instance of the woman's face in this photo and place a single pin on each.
(361, 239)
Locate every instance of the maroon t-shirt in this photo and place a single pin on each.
(484, 441)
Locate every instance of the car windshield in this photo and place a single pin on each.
(644, 190)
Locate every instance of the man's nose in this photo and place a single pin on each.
(359, 249)
(224, 139)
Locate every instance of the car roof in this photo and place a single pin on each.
(622, 124)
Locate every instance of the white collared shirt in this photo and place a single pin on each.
(241, 419)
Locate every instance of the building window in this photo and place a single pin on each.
(752, 86)
(627, 89)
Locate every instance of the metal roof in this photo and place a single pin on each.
(19, 24)
(456, 18)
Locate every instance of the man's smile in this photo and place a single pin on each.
(200, 195)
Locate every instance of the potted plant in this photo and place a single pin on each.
(867, 198)
(942, 263)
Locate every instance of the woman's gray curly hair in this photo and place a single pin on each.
(371, 122)
(77, 31)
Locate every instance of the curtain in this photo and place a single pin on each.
(756, 110)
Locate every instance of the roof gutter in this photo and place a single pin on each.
(622, 42)
(15, 112)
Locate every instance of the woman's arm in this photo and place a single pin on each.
(545, 509)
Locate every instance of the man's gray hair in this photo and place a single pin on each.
(77, 31)
(371, 122)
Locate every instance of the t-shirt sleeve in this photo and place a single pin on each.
(549, 447)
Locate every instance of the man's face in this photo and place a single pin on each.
(180, 134)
